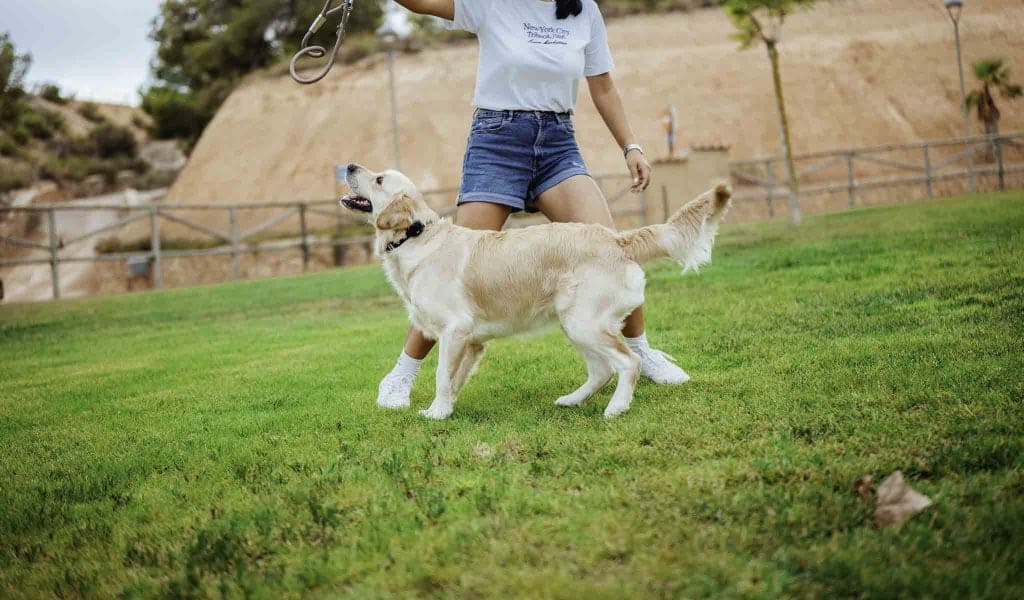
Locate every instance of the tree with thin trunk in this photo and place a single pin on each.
(761, 20)
(994, 76)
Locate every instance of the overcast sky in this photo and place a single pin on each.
(98, 49)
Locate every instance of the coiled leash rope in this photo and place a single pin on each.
(345, 8)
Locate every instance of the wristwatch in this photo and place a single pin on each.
(628, 147)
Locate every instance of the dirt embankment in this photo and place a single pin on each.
(856, 72)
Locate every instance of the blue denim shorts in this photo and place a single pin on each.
(514, 156)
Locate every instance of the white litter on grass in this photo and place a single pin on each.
(897, 501)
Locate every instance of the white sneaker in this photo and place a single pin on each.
(659, 368)
(394, 390)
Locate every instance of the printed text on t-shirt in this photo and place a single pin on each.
(543, 34)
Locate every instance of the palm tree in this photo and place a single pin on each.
(994, 75)
(762, 20)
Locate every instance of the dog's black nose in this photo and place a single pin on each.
(352, 168)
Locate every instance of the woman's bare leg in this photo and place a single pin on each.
(579, 200)
(475, 215)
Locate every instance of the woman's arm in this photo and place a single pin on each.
(438, 8)
(609, 105)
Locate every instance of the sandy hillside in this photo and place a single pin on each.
(856, 72)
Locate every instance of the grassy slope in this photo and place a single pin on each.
(225, 438)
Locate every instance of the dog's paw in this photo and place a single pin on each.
(438, 413)
(613, 410)
(570, 400)
(393, 404)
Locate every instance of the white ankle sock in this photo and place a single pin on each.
(407, 365)
(638, 344)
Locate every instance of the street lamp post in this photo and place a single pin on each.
(390, 39)
(955, 8)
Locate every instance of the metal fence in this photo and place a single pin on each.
(856, 170)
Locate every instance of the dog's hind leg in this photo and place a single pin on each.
(470, 359)
(455, 349)
(627, 365)
(599, 372)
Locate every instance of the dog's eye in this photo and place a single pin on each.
(380, 180)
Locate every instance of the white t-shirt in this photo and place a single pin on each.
(530, 60)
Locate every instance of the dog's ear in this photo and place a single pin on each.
(397, 215)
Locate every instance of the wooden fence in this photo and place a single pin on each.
(856, 170)
(233, 242)
(818, 173)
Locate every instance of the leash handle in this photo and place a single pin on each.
(319, 51)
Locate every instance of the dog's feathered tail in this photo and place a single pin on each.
(688, 235)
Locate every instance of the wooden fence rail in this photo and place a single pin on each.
(818, 173)
(891, 166)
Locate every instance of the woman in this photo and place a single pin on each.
(522, 153)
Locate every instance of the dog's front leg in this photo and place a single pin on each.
(454, 345)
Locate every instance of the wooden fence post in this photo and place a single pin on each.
(928, 171)
(236, 267)
(664, 202)
(851, 186)
(969, 148)
(154, 227)
(998, 147)
(305, 237)
(338, 249)
(769, 173)
(51, 222)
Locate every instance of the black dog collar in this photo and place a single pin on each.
(414, 230)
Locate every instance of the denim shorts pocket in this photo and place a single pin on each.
(487, 124)
(568, 126)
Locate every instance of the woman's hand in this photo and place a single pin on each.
(640, 169)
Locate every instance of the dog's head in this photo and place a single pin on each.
(390, 198)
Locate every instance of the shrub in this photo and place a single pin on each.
(91, 112)
(175, 114)
(112, 140)
(155, 179)
(140, 123)
(14, 177)
(8, 147)
(77, 168)
(20, 134)
(41, 124)
(51, 92)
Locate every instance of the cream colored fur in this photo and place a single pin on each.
(464, 287)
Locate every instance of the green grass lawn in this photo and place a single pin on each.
(224, 440)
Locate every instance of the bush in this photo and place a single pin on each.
(20, 134)
(154, 180)
(8, 147)
(51, 92)
(113, 140)
(41, 124)
(91, 112)
(175, 114)
(14, 177)
(140, 123)
(77, 168)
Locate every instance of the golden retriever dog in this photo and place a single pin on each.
(464, 287)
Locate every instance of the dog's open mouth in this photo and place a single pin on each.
(356, 202)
